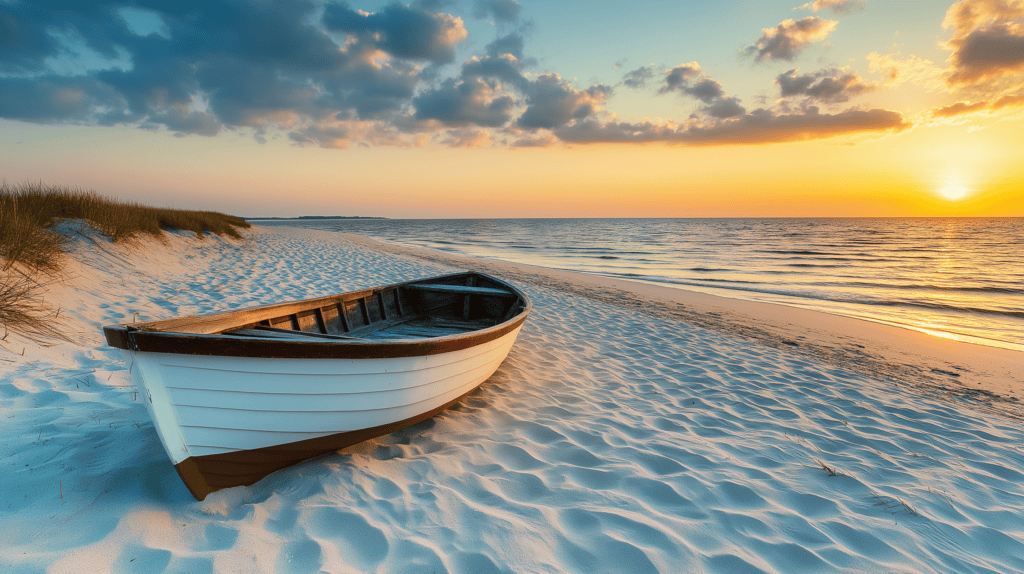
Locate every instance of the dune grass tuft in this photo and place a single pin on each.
(31, 245)
(22, 309)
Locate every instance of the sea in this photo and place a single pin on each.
(959, 278)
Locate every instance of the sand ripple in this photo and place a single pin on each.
(607, 442)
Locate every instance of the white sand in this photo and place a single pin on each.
(632, 429)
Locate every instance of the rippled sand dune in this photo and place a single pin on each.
(611, 440)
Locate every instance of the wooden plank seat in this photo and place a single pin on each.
(410, 329)
(461, 290)
(426, 328)
(275, 333)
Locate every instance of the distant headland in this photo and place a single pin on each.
(314, 217)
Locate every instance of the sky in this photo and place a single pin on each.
(521, 108)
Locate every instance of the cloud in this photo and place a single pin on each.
(706, 90)
(638, 78)
(503, 61)
(757, 127)
(553, 102)
(184, 120)
(898, 70)
(726, 107)
(690, 80)
(789, 38)
(501, 10)
(546, 140)
(401, 31)
(510, 44)
(483, 95)
(837, 6)
(504, 67)
(987, 41)
(199, 66)
(964, 108)
(467, 137)
(55, 99)
(328, 75)
(678, 78)
(827, 86)
(460, 103)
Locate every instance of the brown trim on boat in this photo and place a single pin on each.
(205, 474)
(201, 335)
(232, 346)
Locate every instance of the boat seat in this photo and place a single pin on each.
(274, 333)
(461, 290)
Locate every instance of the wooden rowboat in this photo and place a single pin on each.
(236, 396)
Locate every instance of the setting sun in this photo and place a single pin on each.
(954, 189)
(954, 192)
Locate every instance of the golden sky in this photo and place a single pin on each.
(503, 109)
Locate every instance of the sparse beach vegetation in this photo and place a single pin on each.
(32, 246)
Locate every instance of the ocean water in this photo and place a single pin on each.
(956, 278)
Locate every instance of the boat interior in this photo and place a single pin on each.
(437, 307)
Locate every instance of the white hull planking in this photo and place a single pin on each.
(202, 405)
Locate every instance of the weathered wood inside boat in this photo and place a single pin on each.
(235, 396)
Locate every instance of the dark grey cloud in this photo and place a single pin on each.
(465, 102)
(638, 78)
(987, 47)
(552, 102)
(216, 63)
(502, 61)
(678, 78)
(688, 79)
(432, 5)
(827, 86)
(400, 30)
(504, 67)
(987, 43)
(789, 38)
(501, 10)
(757, 127)
(56, 99)
(509, 44)
(327, 74)
(726, 107)
(987, 53)
(706, 90)
(185, 121)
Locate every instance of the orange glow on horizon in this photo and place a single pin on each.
(901, 175)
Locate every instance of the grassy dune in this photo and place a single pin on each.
(32, 249)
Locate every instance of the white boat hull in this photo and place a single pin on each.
(214, 408)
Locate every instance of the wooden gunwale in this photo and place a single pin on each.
(201, 335)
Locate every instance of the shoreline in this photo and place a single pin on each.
(630, 429)
(983, 374)
(873, 274)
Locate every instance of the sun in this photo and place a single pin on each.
(954, 192)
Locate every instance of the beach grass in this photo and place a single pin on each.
(30, 211)
(23, 311)
(32, 246)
